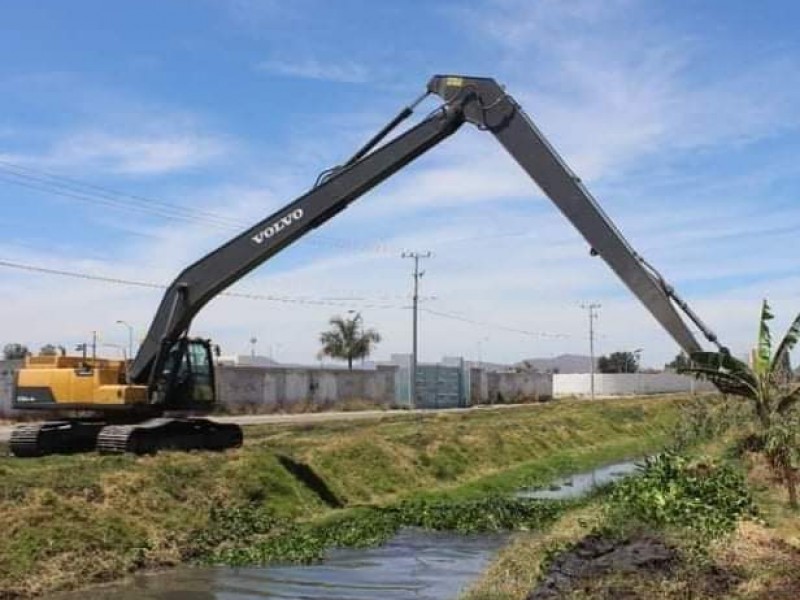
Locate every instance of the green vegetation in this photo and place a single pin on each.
(619, 362)
(682, 507)
(346, 341)
(770, 387)
(293, 490)
(704, 519)
(272, 540)
(15, 351)
(674, 492)
(767, 384)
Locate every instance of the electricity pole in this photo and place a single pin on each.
(417, 276)
(638, 354)
(592, 308)
(130, 349)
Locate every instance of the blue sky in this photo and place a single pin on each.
(681, 118)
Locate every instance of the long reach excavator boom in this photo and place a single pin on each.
(166, 368)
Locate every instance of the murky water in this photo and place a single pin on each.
(414, 564)
(574, 486)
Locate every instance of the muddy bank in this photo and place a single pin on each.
(596, 556)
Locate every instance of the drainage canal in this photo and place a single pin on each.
(414, 564)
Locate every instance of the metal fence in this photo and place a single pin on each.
(440, 386)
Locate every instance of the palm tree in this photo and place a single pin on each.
(346, 341)
(768, 385)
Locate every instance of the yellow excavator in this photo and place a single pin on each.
(141, 406)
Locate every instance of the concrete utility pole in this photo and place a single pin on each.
(128, 358)
(592, 308)
(417, 276)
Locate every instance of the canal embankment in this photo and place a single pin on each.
(293, 492)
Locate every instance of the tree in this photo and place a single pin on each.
(618, 362)
(347, 341)
(681, 361)
(15, 351)
(768, 385)
(48, 350)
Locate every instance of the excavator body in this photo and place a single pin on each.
(119, 416)
(72, 382)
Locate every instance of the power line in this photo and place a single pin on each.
(68, 187)
(90, 191)
(539, 334)
(48, 182)
(105, 200)
(310, 301)
(152, 285)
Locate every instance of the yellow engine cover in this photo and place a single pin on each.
(71, 382)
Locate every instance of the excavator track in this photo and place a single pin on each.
(148, 437)
(54, 437)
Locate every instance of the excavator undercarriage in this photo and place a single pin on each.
(143, 437)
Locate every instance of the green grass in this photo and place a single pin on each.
(726, 516)
(68, 521)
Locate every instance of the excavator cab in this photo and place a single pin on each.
(187, 380)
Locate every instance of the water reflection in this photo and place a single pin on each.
(574, 486)
(414, 564)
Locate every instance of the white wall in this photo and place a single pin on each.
(622, 384)
(279, 388)
(493, 386)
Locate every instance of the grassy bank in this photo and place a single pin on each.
(70, 521)
(716, 518)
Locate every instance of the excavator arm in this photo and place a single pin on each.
(490, 108)
(479, 101)
(201, 282)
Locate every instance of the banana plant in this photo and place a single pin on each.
(767, 382)
(782, 449)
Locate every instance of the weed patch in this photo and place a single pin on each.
(701, 496)
(260, 539)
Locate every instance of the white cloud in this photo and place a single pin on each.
(311, 68)
(613, 85)
(127, 154)
(136, 155)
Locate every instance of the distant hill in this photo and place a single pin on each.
(565, 363)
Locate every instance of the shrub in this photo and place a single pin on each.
(674, 491)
